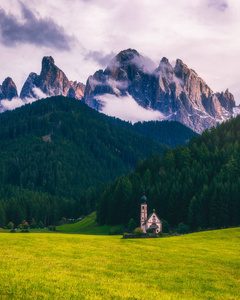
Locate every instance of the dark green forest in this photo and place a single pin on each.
(197, 184)
(56, 155)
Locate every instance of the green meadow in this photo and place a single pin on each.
(87, 226)
(202, 265)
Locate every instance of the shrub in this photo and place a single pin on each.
(131, 225)
(12, 230)
(63, 221)
(33, 224)
(149, 230)
(40, 225)
(127, 234)
(165, 226)
(116, 231)
(52, 228)
(138, 231)
(24, 230)
(10, 225)
(25, 225)
(182, 228)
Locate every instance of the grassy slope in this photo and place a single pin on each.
(58, 266)
(87, 226)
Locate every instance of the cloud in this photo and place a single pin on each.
(220, 5)
(6, 104)
(144, 63)
(127, 109)
(32, 30)
(99, 57)
(202, 33)
(38, 93)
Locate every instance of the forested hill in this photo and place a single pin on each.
(169, 133)
(60, 147)
(197, 184)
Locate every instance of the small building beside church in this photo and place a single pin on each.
(149, 222)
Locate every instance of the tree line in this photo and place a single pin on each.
(197, 184)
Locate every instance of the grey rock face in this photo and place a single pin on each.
(8, 89)
(178, 92)
(29, 85)
(52, 81)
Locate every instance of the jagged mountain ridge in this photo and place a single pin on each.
(52, 82)
(178, 92)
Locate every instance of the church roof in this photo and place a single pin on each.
(144, 198)
(149, 216)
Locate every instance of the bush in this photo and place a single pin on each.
(63, 221)
(25, 225)
(149, 230)
(24, 230)
(33, 224)
(116, 231)
(12, 230)
(52, 228)
(182, 228)
(127, 235)
(10, 225)
(165, 226)
(40, 225)
(138, 231)
(131, 225)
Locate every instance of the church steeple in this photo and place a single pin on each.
(143, 214)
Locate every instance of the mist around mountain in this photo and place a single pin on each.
(133, 89)
(164, 93)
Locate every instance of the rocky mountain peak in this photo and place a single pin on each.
(177, 92)
(181, 70)
(227, 100)
(164, 60)
(28, 89)
(165, 67)
(126, 56)
(8, 89)
(47, 62)
(51, 81)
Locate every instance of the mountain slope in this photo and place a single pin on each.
(177, 92)
(197, 184)
(55, 149)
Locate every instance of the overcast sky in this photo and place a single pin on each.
(83, 35)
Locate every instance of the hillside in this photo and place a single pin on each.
(197, 184)
(52, 266)
(87, 226)
(60, 147)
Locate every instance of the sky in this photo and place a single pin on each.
(84, 35)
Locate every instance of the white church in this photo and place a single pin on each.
(149, 222)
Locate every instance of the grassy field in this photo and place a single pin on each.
(69, 266)
(87, 226)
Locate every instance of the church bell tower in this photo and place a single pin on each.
(143, 215)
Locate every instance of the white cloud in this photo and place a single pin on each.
(6, 104)
(127, 109)
(12, 104)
